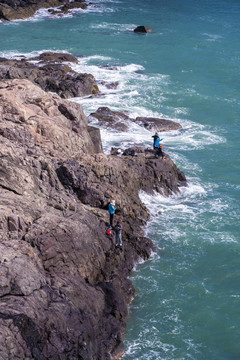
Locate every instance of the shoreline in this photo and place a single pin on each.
(25, 10)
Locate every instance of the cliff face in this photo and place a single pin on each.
(64, 287)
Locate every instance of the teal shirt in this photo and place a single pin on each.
(111, 209)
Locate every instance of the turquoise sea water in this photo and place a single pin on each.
(187, 69)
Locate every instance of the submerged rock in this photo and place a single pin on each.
(64, 289)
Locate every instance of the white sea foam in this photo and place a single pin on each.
(116, 27)
(94, 6)
(212, 37)
(182, 202)
(14, 54)
(134, 88)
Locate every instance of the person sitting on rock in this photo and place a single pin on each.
(111, 210)
(118, 231)
(156, 140)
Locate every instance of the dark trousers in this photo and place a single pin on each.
(111, 219)
(159, 152)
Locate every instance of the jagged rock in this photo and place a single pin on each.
(64, 288)
(133, 151)
(24, 9)
(143, 29)
(110, 119)
(116, 151)
(57, 78)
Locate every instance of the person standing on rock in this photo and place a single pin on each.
(118, 231)
(156, 140)
(111, 210)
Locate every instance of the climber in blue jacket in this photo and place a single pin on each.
(156, 141)
(111, 210)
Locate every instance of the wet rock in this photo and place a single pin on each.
(142, 29)
(112, 85)
(67, 7)
(156, 124)
(110, 119)
(120, 121)
(53, 57)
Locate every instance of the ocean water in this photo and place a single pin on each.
(186, 69)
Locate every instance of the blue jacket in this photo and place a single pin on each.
(157, 142)
(111, 209)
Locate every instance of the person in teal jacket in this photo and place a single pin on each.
(111, 210)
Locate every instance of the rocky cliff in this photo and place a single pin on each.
(24, 9)
(64, 287)
(51, 73)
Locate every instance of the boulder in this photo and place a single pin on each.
(142, 29)
(53, 57)
(156, 124)
(107, 118)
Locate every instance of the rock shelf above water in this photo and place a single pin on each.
(121, 121)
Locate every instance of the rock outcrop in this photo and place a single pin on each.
(156, 124)
(64, 287)
(142, 29)
(120, 121)
(53, 76)
(24, 9)
(109, 119)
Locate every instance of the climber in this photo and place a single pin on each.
(111, 210)
(155, 137)
(156, 141)
(118, 231)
